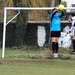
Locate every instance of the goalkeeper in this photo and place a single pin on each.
(55, 29)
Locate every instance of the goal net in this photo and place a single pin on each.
(40, 26)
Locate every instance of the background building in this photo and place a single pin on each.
(70, 3)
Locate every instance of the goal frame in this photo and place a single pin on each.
(20, 8)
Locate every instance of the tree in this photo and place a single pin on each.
(22, 18)
(52, 3)
(59, 1)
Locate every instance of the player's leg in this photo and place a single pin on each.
(73, 42)
(53, 44)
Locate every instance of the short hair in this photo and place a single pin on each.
(54, 9)
(73, 13)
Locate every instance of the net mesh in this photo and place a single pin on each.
(28, 33)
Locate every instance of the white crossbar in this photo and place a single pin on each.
(21, 8)
(35, 8)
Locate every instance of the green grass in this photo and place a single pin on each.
(19, 53)
(36, 53)
(34, 62)
(37, 67)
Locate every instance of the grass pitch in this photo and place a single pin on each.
(36, 62)
(37, 67)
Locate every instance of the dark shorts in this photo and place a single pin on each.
(55, 33)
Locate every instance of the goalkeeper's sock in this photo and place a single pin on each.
(53, 47)
(56, 45)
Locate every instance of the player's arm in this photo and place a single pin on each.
(73, 24)
(71, 29)
(54, 12)
(62, 14)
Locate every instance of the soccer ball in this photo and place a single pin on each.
(61, 7)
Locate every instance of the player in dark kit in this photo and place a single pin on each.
(72, 19)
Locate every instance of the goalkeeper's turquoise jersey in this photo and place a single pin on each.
(55, 23)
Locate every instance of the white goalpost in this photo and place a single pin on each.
(20, 8)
